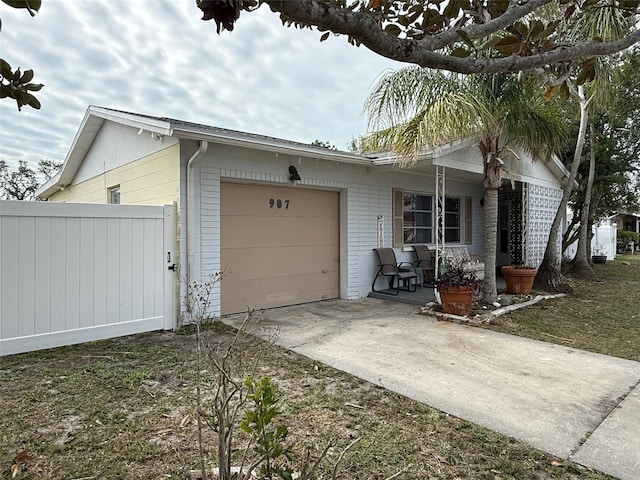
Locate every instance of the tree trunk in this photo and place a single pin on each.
(549, 275)
(490, 148)
(571, 233)
(581, 267)
(490, 290)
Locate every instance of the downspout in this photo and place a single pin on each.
(202, 149)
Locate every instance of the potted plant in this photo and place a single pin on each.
(455, 286)
(599, 255)
(519, 278)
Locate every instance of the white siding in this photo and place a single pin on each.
(115, 146)
(364, 196)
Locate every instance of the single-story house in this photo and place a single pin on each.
(288, 222)
(629, 221)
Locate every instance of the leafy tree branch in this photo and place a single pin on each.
(16, 84)
(463, 36)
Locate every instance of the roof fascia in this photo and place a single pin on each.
(155, 125)
(273, 146)
(58, 180)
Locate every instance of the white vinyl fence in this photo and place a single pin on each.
(72, 273)
(603, 241)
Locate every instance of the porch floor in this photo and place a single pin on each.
(421, 296)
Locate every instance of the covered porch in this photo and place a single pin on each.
(527, 200)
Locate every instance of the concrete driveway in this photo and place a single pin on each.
(549, 396)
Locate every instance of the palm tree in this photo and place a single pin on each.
(414, 108)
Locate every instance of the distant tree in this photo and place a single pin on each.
(21, 183)
(48, 168)
(16, 84)
(320, 143)
(617, 151)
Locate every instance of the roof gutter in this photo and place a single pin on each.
(202, 149)
(274, 147)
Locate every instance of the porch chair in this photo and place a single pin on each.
(401, 273)
(424, 262)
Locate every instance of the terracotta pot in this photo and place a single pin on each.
(456, 300)
(519, 280)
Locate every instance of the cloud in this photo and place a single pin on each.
(163, 60)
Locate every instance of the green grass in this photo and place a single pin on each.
(601, 317)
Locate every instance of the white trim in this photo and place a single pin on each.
(170, 276)
(267, 145)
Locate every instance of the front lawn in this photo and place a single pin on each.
(125, 409)
(602, 317)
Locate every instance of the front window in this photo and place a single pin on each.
(113, 195)
(417, 212)
(419, 219)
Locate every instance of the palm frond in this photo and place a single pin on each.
(607, 22)
(537, 127)
(413, 109)
(401, 94)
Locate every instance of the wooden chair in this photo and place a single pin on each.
(401, 273)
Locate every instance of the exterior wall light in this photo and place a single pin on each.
(294, 176)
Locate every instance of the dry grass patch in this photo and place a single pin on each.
(125, 408)
(601, 317)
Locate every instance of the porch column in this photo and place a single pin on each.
(439, 227)
(525, 222)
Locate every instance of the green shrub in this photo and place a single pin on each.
(624, 237)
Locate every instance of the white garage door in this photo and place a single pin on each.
(280, 246)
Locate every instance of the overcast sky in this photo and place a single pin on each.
(157, 57)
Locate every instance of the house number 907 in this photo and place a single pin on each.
(278, 203)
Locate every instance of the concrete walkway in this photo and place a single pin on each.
(549, 396)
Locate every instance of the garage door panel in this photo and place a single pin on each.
(261, 201)
(280, 246)
(283, 290)
(249, 232)
(241, 305)
(253, 263)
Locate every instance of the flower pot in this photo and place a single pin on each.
(599, 258)
(456, 300)
(519, 280)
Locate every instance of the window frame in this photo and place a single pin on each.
(110, 193)
(458, 213)
(463, 215)
(416, 227)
